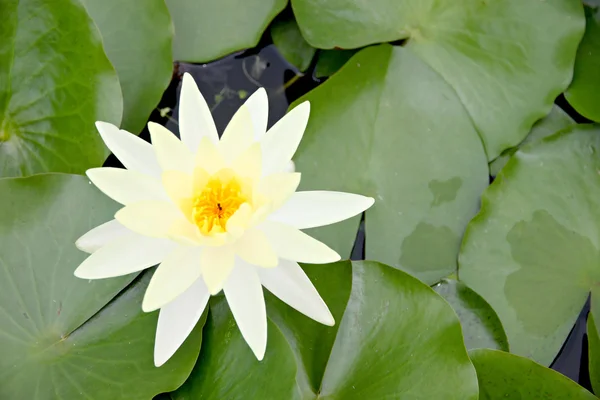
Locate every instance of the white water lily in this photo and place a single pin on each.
(216, 214)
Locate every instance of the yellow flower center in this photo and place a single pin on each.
(216, 203)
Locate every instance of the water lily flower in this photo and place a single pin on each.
(215, 214)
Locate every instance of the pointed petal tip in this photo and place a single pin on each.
(159, 359)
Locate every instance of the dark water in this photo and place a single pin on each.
(226, 83)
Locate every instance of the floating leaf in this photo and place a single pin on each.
(394, 338)
(290, 43)
(227, 369)
(138, 41)
(506, 60)
(594, 353)
(388, 126)
(56, 339)
(534, 245)
(209, 29)
(506, 376)
(549, 125)
(584, 92)
(55, 82)
(480, 324)
(330, 61)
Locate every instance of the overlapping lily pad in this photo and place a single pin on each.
(394, 338)
(584, 92)
(506, 60)
(290, 43)
(56, 339)
(137, 37)
(55, 82)
(480, 324)
(210, 29)
(387, 126)
(533, 251)
(549, 125)
(330, 61)
(506, 376)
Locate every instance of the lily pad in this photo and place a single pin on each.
(290, 43)
(507, 376)
(549, 125)
(387, 126)
(594, 353)
(330, 61)
(58, 339)
(55, 82)
(584, 92)
(227, 369)
(209, 29)
(137, 38)
(480, 324)
(394, 338)
(534, 245)
(506, 60)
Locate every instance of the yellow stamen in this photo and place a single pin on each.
(216, 203)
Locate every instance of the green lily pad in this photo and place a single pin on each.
(506, 60)
(534, 245)
(210, 29)
(138, 41)
(55, 82)
(394, 338)
(480, 324)
(227, 369)
(549, 125)
(507, 376)
(290, 43)
(57, 338)
(387, 126)
(330, 61)
(584, 92)
(594, 353)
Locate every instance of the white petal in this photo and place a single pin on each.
(216, 264)
(172, 154)
(254, 248)
(134, 153)
(177, 319)
(319, 208)
(238, 135)
(281, 141)
(195, 119)
(125, 186)
(178, 271)
(245, 297)
(289, 282)
(150, 218)
(258, 104)
(293, 244)
(101, 235)
(124, 255)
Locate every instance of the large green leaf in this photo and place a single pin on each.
(584, 92)
(387, 126)
(506, 59)
(549, 125)
(533, 250)
(209, 29)
(55, 82)
(330, 61)
(56, 339)
(227, 369)
(594, 353)
(504, 376)
(394, 338)
(137, 36)
(290, 43)
(480, 324)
